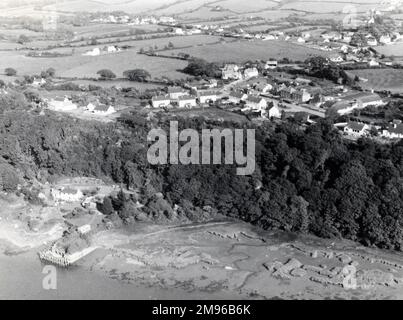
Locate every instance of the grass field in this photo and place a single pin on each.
(242, 51)
(391, 50)
(381, 79)
(83, 66)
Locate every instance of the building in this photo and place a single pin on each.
(273, 112)
(385, 39)
(255, 103)
(84, 229)
(373, 63)
(66, 194)
(231, 72)
(160, 101)
(296, 95)
(263, 87)
(176, 92)
(336, 58)
(103, 110)
(187, 102)
(207, 97)
(271, 64)
(61, 104)
(237, 97)
(93, 53)
(251, 73)
(365, 99)
(371, 41)
(356, 129)
(394, 130)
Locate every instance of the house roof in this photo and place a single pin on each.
(356, 126)
(69, 190)
(102, 107)
(208, 93)
(397, 129)
(175, 90)
(254, 99)
(160, 98)
(238, 95)
(187, 98)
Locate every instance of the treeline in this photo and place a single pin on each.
(309, 181)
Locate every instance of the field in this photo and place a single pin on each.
(81, 66)
(242, 51)
(382, 79)
(391, 50)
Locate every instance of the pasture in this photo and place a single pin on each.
(381, 79)
(242, 51)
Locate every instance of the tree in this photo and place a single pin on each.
(106, 74)
(139, 75)
(51, 72)
(10, 72)
(22, 39)
(200, 67)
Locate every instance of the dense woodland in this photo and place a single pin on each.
(307, 180)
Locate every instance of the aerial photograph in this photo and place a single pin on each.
(201, 150)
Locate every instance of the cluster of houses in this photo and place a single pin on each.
(120, 18)
(105, 50)
(234, 72)
(361, 100)
(358, 130)
(65, 104)
(182, 98)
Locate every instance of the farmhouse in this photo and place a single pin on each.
(92, 53)
(237, 97)
(356, 129)
(263, 87)
(336, 58)
(273, 112)
(251, 73)
(187, 102)
(103, 110)
(231, 72)
(207, 97)
(160, 101)
(271, 64)
(371, 41)
(66, 194)
(296, 95)
(61, 104)
(385, 39)
(176, 92)
(255, 103)
(394, 130)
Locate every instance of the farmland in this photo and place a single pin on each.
(382, 79)
(242, 51)
(391, 50)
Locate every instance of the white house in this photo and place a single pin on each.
(251, 73)
(179, 31)
(61, 104)
(271, 64)
(207, 97)
(385, 39)
(273, 112)
(373, 63)
(66, 194)
(255, 103)
(38, 82)
(84, 229)
(237, 97)
(187, 102)
(371, 41)
(103, 110)
(263, 87)
(336, 58)
(160, 101)
(301, 40)
(394, 131)
(231, 72)
(356, 129)
(92, 53)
